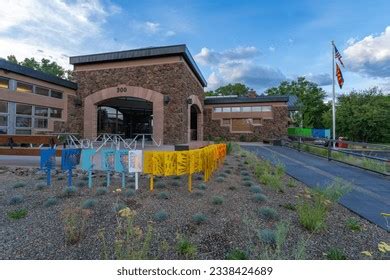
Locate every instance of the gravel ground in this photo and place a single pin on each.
(234, 224)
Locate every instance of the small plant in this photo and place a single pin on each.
(89, 203)
(220, 179)
(69, 191)
(202, 186)
(118, 206)
(224, 175)
(40, 186)
(163, 195)
(232, 188)
(245, 173)
(175, 183)
(335, 254)
(17, 214)
(101, 191)
(289, 206)
(228, 171)
(229, 148)
(268, 237)
(160, 185)
(237, 255)
(269, 214)
(199, 218)
(248, 183)
(19, 185)
(217, 200)
(312, 215)
(160, 216)
(197, 193)
(353, 224)
(81, 184)
(17, 199)
(129, 193)
(246, 178)
(279, 169)
(255, 189)
(186, 248)
(74, 220)
(291, 183)
(334, 191)
(259, 197)
(50, 202)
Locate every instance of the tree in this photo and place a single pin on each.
(45, 65)
(310, 97)
(230, 89)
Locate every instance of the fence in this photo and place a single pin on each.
(205, 160)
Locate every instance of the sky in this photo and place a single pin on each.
(258, 43)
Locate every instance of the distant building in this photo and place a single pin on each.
(156, 91)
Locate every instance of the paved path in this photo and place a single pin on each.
(369, 197)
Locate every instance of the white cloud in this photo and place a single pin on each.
(152, 27)
(238, 66)
(323, 79)
(271, 49)
(370, 56)
(170, 33)
(54, 27)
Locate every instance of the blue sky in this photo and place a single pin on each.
(258, 43)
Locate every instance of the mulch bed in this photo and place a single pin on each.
(234, 224)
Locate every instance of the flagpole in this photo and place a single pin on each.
(333, 99)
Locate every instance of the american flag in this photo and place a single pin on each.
(338, 55)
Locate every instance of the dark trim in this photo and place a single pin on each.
(39, 75)
(240, 100)
(136, 54)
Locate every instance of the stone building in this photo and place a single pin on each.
(157, 92)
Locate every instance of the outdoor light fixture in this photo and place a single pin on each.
(166, 99)
(189, 101)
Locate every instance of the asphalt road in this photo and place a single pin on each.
(370, 193)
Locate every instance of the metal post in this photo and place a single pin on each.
(123, 180)
(136, 180)
(333, 98)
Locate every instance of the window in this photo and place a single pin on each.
(24, 87)
(217, 110)
(56, 94)
(4, 82)
(256, 109)
(23, 131)
(246, 109)
(55, 113)
(3, 130)
(42, 91)
(23, 121)
(3, 107)
(267, 109)
(225, 121)
(40, 123)
(236, 109)
(3, 120)
(22, 109)
(226, 109)
(41, 111)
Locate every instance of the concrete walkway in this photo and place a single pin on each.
(370, 193)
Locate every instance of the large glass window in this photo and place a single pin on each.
(3, 130)
(246, 109)
(23, 131)
(3, 120)
(23, 121)
(4, 82)
(42, 91)
(226, 110)
(236, 109)
(55, 113)
(256, 109)
(24, 87)
(40, 123)
(56, 94)
(41, 111)
(3, 107)
(267, 108)
(22, 109)
(217, 110)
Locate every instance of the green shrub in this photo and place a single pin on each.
(89, 203)
(118, 206)
(269, 214)
(101, 191)
(259, 197)
(199, 218)
(160, 185)
(246, 178)
(245, 173)
(17, 199)
(291, 183)
(267, 236)
(255, 189)
(248, 183)
(163, 195)
(40, 185)
(229, 148)
(312, 215)
(289, 206)
(160, 216)
(335, 254)
(334, 191)
(175, 183)
(69, 191)
(220, 179)
(19, 185)
(50, 201)
(222, 175)
(353, 224)
(237, 255)
(81, 184)
(17, 214)
(279, 169)
(129, 193)
(186, 248)
(217, 200)
(201, 186)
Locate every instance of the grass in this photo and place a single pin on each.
(237, 255)
(199, 218)
(267, 236)
(50, 202)
(69, 191)
(163, 195)
(19, 185)
(17, 214)
(334, 191)
(74, 220)
(40, 185)
(89, 203)
(17, 199)
(255, 189)
(292, 183)
(160, 216)
(101, 191)
(259, 197)
(353, 224)
(312, 214)
(289, 206)
(217, 200)
(268, 214)
(187, 249)
(335, 254)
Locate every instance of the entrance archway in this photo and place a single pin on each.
(111, 96)
(195, 119)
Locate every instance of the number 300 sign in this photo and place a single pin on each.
(121, 89)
